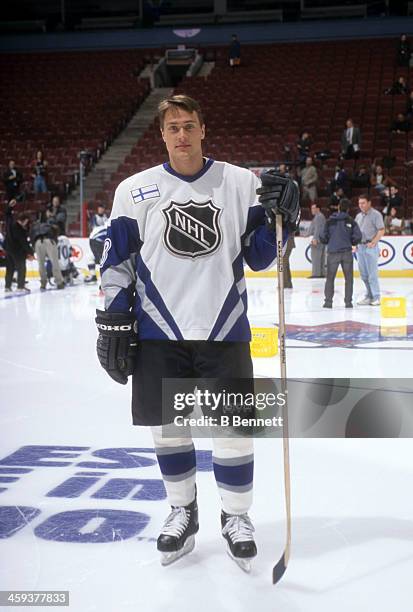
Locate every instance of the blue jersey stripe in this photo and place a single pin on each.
(155, 297)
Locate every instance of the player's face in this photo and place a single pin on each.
(183, 135)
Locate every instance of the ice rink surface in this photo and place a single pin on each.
(81, 502)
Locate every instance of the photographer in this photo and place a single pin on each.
(17, 248)
(44, 239)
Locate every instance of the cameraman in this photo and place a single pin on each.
(44, 239)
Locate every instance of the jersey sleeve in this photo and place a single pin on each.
(118, 263)
(259, 242)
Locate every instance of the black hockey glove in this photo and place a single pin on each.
(280, 195)
(117, 344)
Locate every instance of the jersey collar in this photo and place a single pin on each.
(189, 179)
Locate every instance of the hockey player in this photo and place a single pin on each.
(96, 241)
(172, 266)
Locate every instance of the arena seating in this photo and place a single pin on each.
(254, 111)
(63, 103)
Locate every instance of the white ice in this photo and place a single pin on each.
(351, 499)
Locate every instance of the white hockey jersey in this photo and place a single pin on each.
(176, 247)
(64, 250)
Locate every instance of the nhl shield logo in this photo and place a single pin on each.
(192, 229)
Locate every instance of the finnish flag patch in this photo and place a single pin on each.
(145, 193)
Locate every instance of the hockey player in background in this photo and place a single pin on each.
(97, 238)
(176, 306)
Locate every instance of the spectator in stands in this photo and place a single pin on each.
(403, 51)
(379, 180)
(391, 199)
(371, 225)
(303, 148)
(100, 217)
(234, 52)
(59, 214)
(409, 106)
(393, 224)
(350, 141)
(401, 124)
(44, 239)
(309, 178)
(315, 230)
(398, 88)
(337, 195)
(361, 178)
(341, 180)
(17, 247)
(39, 171)
(341, 234)
(12, 179)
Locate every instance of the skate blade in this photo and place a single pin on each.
(244, 564)
(171, 557)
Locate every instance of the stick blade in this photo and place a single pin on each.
(279, 570)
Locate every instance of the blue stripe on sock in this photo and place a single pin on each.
(234, 475)
(177, 463)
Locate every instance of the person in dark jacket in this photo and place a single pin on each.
(59, 213)
(340, 234)
(234, 51)
(403, 51)
(17, 248)
(12, 179)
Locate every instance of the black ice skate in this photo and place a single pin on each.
(178, 533)
(238, 532)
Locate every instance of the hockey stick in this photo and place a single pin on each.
(281, 566)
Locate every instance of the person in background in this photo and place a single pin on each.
(12, 179)
(100, 217)
(379, 180)
(361, 178)
(393, 224)
(39, 171)
(303, 148)
(17, 247)
(97, 239)
(59, 214)
(400, 125)
(309, 178)
(340, 180)
(234, 52)
(341, 233)
(317, 248)
(391, 199)
(350, 141)
(398, 88)
(44, 240)
(403, 51)
(337, 195)
(370, 222)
